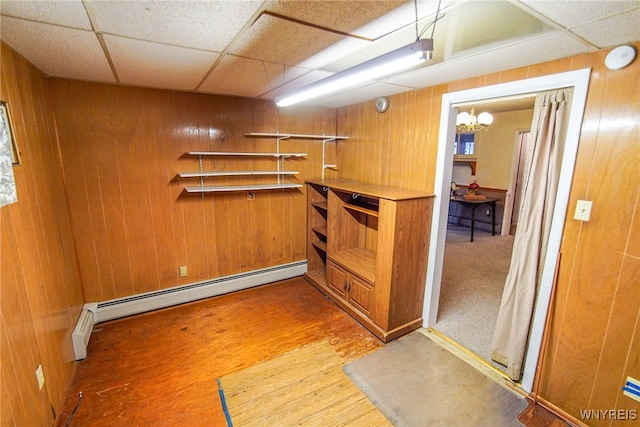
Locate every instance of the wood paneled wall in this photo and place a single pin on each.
(595, 329)
(122, 148)
(40, 292)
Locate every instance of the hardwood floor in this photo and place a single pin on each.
(160, 368)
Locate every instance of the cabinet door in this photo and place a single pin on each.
(360, 294)
(337, 280)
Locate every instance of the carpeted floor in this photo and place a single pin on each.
(416, 382)
(473, 278)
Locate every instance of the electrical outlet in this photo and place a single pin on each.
(40, 376)
(183, 271)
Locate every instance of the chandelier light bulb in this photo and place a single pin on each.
(468, 122)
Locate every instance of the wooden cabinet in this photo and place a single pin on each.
(373, 261)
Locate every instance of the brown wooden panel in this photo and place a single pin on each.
(41, 293)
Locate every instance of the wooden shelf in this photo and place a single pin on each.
(321, 230)
(357, 260)
(320, 245)
(361, 209)
(227, 188)
(320, 205)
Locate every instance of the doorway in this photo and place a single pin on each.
(474, 272)
(579, 80)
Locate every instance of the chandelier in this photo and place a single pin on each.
(468, 122)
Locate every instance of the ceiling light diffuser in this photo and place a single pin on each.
(388, 64)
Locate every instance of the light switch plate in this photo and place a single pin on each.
(583, 210)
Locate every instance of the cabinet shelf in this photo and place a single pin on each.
(322, 231)
(357, 260)
(320, 205)
(257, 187)
(320, 245)
(367, 211)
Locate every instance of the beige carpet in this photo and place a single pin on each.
(415, 382)
(305, 387)
(473, 278)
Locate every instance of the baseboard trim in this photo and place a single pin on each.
(140, 303)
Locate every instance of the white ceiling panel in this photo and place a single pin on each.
(618, 29)
(240, 76)
(208, 25)
(69, 13)
(143, 63)
(347, 16)
(280, 41)
(58, 51)
(568, 15)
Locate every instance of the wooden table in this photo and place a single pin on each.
(473, 204)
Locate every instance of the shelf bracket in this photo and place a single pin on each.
(324, 164)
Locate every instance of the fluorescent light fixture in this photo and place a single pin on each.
(390, 63)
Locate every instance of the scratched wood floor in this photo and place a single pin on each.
(160, 368)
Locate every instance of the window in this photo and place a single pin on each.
(464, 144)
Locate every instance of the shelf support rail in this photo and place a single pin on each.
(201, 171)
(280, 159)
(324, 164)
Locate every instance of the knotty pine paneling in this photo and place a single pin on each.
(595, 327)
(122, 148)
(40, 295)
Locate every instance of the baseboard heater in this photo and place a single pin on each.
(82, 333)
(94, 313)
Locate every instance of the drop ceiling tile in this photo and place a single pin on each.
(573, 13)
(619, 29)
(149, 64)
(341, 15)
(208, 25)
(67, 13)
(280, 41)
(58, 51)
(240, 76)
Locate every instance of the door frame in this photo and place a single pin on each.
(579, 80)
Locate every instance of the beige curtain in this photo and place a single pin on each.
(540, 183)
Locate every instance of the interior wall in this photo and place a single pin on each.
(595, 324)
(40, 295)
(122, 148)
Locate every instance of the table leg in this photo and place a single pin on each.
(493, 218)
(473, 220)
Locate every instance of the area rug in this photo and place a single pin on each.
(415, 382)
(303, 387)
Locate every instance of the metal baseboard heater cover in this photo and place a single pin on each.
(82, 333)
(94, 313)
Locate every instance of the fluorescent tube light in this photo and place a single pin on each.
(390, 63)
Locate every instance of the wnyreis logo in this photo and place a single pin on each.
(608, 414)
